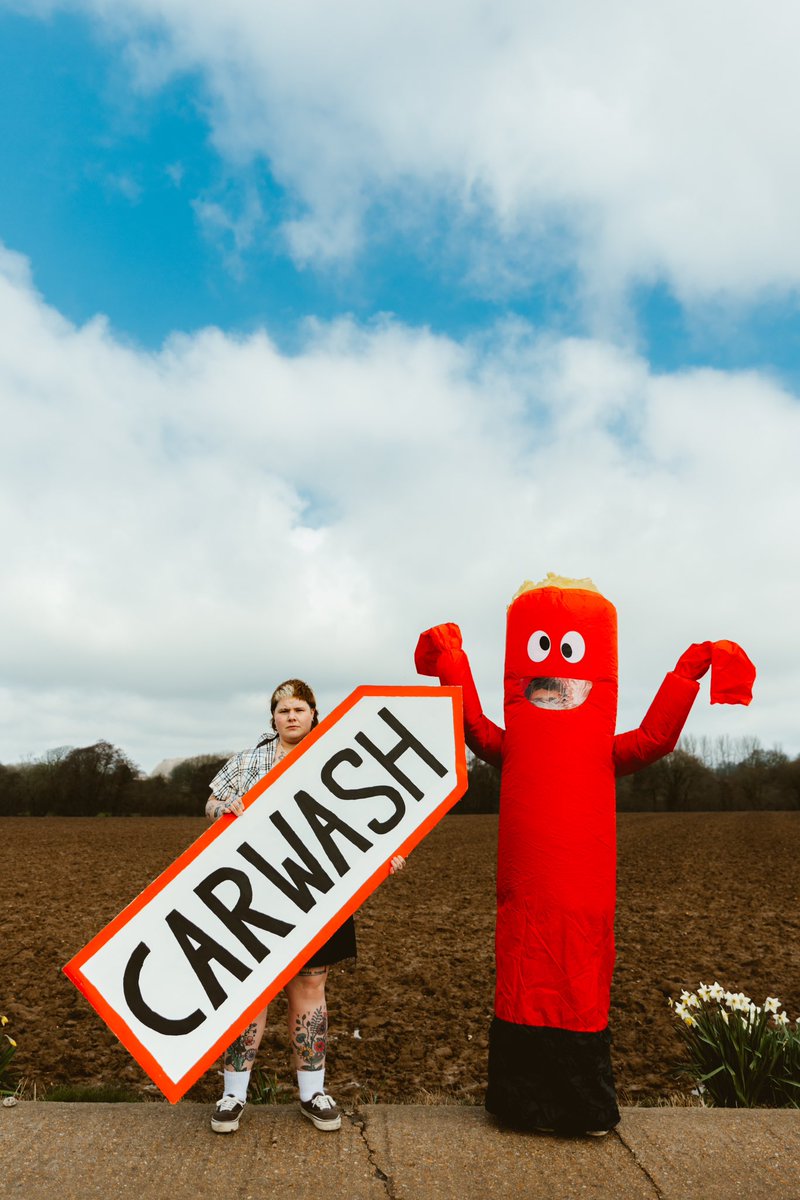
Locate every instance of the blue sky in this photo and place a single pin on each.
(400, 272)
(100, 182)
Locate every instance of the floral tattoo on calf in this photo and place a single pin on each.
(310, 1039)
(243, 1051)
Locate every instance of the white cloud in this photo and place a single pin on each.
(183, 529)
(235, 231)
(636, 141)
(125, 185)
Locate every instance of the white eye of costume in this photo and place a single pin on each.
(573, 647)
(538, 646)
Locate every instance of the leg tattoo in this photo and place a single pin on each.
(309, 1039)
(308, 1018)
(241, 1054)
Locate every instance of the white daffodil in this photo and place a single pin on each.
(716, 991)
(781, 1019)
(704, 993)
(724, 1015)
(680, 1011)
(772, 1004)
(689, 1019)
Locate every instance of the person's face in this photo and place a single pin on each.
(293, 719)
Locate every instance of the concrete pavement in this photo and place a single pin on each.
(155, 1151)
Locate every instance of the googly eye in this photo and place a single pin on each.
(539, 646)
(573, 647)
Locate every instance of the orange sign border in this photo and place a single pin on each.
(173, 1090)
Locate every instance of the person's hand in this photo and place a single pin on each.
(229, 808)
(396, 864)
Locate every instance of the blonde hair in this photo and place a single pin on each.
(294, 689)
(554, 581)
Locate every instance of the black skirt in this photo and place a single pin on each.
(542, 1078)
(339, 946)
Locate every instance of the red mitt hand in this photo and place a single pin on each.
(732, 674)
(432, 643)
(695, 661)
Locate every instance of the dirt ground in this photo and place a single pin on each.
(701, 897)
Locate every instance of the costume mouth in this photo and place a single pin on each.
(545, 691)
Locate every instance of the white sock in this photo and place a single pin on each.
(236, 1084)
(310, 1082)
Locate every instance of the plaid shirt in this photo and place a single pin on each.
(244, 769)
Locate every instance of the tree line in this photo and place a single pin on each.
(101, 780)
(701, 775)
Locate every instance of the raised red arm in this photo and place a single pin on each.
(439, 653)
(732, 676)
(659, 731)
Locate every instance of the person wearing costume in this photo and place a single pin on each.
(549, 1044)
(294, 715)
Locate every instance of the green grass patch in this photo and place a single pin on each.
(265, 1089)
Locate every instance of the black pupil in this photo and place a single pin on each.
(566, 650)
(544, 642)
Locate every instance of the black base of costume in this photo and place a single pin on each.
(542, 1078)
(339, 946)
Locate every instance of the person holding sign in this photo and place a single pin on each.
(294, 714)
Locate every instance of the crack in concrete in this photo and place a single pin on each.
(355, 1118)
(656, 1189)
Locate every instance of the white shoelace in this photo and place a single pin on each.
(323, 1100)
(227, 1103)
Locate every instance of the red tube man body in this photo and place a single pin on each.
(549, 1050)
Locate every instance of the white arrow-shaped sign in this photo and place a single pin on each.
(185, 967)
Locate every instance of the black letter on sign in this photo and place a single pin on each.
(238, 918)
(171, 1026)
(364, 793)
(298, 889)
(200, 956)
(323, 823)
(389, 759)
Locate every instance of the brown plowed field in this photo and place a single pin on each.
(701, 896)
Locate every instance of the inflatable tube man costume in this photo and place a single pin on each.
(549, 1045)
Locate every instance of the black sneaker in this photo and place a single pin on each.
(227, 1115)
(323, 1110)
